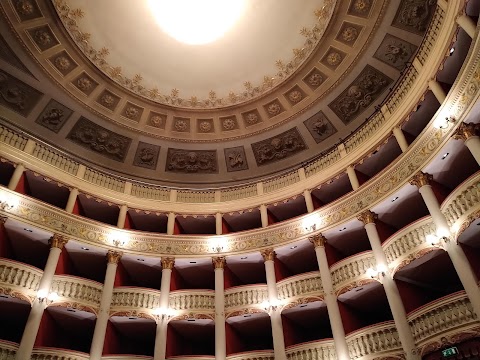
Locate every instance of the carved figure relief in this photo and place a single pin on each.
(146, 155)
(54, 116)
(103, 141)
(43, 37)
(236, 159)
(16, 95)
(320, 127)
(192, 161)
(279, 147)
(414, 15)
(395, 52)
(360, 94)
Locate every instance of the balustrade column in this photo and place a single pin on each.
(456, 253)
(353, 177)
(220, 336)
(391, 290)
(264, 215)
(274, 310)
(171, 223)
(437, 90)
(96, 348)
(400, 137)
(122, 216)
(16, 176)
(341, 347)
(467, 24)
(466, 132)
(27, 342)
(72, 198)
(162, 323)
(307, 194)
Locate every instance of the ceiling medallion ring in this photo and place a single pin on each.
(70, 19)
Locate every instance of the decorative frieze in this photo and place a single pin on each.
(192, 161)
(54, 116)
(320, 127)
(146, 155)
(16, 95)
(395, 52)
(278, 147)
(414, 15)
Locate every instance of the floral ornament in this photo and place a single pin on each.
(62, 63)
(295, 96)
(315, 79)
(181, 125)
(274, 109)
(84, 84)
(349, 34)
(361, 5)
(156, 121)
(251, 118)
(43, 38)
(107, 100)
(205, 126)
(334, 58)
(228, 124)
(25, 7)
(131, 112)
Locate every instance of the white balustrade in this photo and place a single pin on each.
(192, 196)
(56, 159)
(150, 192)
(314, 350)
(194, 300)
(365, 132)
(127, 357)
(351, 269)
(253, 355)
(245, 296)
(438, 317)
(464, 199)
(407, 82)
(431, 36)
(8, 350)
(327, 159)
(281, 181)
(300, 285)
(104, 180)
(20, 277)
(12, 138)
(376, 339)
(135, 298)
(242, 192)
(57, 354)
(80, 290)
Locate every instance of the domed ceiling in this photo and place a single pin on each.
(105, 82)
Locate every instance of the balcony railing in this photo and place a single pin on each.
(375, 339)
(75, 289)
(245, 296)
(351, 269)
(446, 314)
(314, 350)
(8, 350)
(192, 300)
(253, 355)
(300, 285)
(134, 298)
(18, 277)
(57, 354)
(126, 357)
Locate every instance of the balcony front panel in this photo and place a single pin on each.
(19, 279)
(8, 350)
(126, 357)
(448, 314)
(134, 299)
(78, 292)
(308, 284)
(57, 354)
(351, 272)
(314, 350)
(248, 296)
(373, 341)
(409, 243)
(253, 355)
(192, 300)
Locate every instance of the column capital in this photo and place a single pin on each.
(113, 257)
(465, 131)
(421, 179)
(318, 240)
(268, 254)
(219, 262)
(367, 217)
(57, 241)
(168, 263)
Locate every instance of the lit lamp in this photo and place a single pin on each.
(217, 245)
(8, 202)
(437, 241)
(119, 239)
(377, 273)
(163, 313)
(44, 296)
(270, 306)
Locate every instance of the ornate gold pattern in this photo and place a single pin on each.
(465, 131)
(57, 241)
(354, 285)
(268, 254)
(219, 262)
(367, 217)
(318, 240)
(113, 257)
(168, 263)
(421, 179)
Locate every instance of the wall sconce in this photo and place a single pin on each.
(163, 314)
(218, 245)
(437, 241)
(377, 273)
(47, 298)
(119, 239)
(270, 307)
(4, 205)
(445, 123)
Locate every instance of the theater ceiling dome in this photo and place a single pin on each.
(177, 93)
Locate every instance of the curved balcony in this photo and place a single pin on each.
(18, 279)
(245, 296)
(133, 299)
(57, 354)
(351, 272)
(448, 314)
(192, 300)
(191, 357)
(126, 357)
(78, 292)
(375, 340)
(409, 243)
(313, 350)
(308, 284)
(253, 355)
(462, 201)
(8, 350)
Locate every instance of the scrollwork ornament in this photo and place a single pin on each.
(421, 179)
(168, 263)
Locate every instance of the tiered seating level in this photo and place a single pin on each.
(230, 296)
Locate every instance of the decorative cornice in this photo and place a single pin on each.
(57, 241)
(168, 263)
(318, 240)
(268, 254)
(421, 179)
(367, 217)
(113, 257)
(466, 131)
(219, 262)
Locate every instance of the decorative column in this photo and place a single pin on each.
(16, 176)
(220, 337)
(122, 215)
(456, 253)
(400, 137)
(171, 223)
(391, 290)
(467, 24)
(466, 132)
(96, 348)
(274, 310)
(341, 347)
(437, 90)
(57, 242)
(72, 198)
(264, 215)
(218, 223)
(162, 323)
(307, 194)
(353, 177)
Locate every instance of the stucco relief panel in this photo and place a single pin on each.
(192, 161)
(236, 159)
(146, 156)
(16, 95)
(395, 51)
(54, 116)
(320, 127)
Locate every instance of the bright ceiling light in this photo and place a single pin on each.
(197, 22)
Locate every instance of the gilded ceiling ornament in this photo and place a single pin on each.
(362, 5)
(251, 118)
(268, 254)
(205, 126)
(62, 63)
(274, 109)
(315, 79)
(107, 100)
(349, 34)
(228, 124)
(84, 83)
(168, 263)
(219, 262)
(334, 58)
(57, 241)
(181, 125)
(131, 112)
(25, 7)
(43, 37)
(367, 217)
(421, 179)
(295, 96)
(113, 257)
(156, 121)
